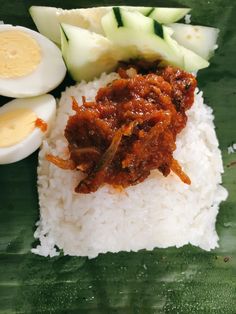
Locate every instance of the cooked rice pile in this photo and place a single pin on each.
(159, 212)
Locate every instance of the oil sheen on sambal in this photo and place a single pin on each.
(130, 128)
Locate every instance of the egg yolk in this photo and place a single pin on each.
(15, 126)
(20, 54)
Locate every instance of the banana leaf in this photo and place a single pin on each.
(185, 280)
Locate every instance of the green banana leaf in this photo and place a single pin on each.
(186, 280)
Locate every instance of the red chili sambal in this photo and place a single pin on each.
(41, 124)
(130, 128)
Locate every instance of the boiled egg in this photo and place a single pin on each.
(30, 64)
(23, 124)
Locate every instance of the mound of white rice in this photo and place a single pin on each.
(159, 212)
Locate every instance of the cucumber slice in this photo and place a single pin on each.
(48, 19)
(167, 15)
(192, 61)
(45, 19)
(87, 54)
(200, 39)
(141, 36)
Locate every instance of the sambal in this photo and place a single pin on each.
(130, 128)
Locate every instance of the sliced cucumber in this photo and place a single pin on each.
(192, 61)
(45, 19)
(87, 54)
(130, 35)
(167, 15)
(48, 19)
(141, 36)
(145, 38)
(200, 39)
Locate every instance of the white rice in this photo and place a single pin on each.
(160, 212)
(187, 18)
(232, 148)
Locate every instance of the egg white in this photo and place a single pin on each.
(45, 108)
(48, 74)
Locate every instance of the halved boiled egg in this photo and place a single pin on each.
(23, 124)
(30, 64)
